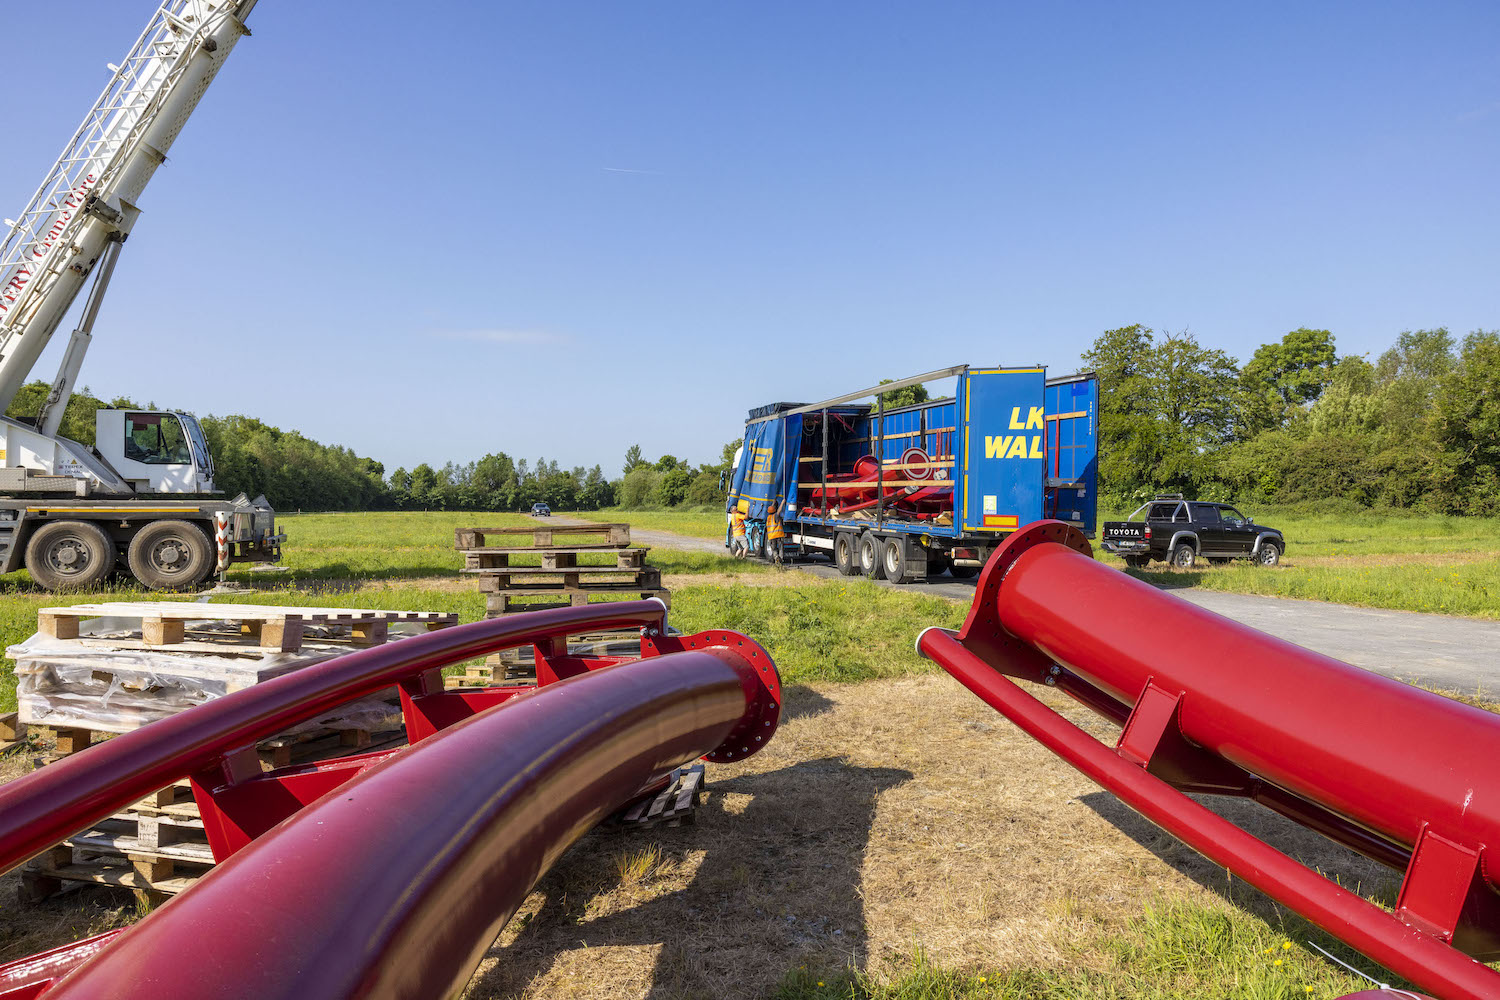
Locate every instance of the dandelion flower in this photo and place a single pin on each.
(1277, 962)
(1286, 946)
(820, 982)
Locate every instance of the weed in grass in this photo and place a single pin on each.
(636, 866)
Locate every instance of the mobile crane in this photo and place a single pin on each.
(144, 493)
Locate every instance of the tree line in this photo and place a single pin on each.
(1417, 428)
(1297, 423)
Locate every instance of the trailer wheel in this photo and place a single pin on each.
(895, 560)
(844, 556)
(1183, 556)
(870, 562)
(69, 554)
(170, 555)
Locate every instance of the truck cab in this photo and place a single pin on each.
(155, 451)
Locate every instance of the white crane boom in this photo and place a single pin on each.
(88, 200)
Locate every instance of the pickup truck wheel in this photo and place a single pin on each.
(69, 555)
(1269, 554)
(844, 556)
(870, 562)
(170, 555)
(1183, 555)
(894, 554)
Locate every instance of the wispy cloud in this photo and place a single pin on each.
(504, 336)
(632, 170)
(1478, 113)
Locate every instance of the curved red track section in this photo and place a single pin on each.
(1208, 705)
(389, 874)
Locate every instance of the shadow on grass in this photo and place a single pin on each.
(1336, 862)
(766, 880)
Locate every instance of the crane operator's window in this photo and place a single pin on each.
(156, 439)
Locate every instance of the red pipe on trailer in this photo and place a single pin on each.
(1220, 708)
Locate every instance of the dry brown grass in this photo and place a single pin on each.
(885, 816)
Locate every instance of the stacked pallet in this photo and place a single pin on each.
(95, 670)
(608, 569)
(550, 566)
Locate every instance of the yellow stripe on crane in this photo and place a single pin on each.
(111, 510)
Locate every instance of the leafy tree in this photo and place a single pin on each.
(1283, 376)
(672, 488)
(909, 396)
(633, 458)
(667, 463)
(1467, 424)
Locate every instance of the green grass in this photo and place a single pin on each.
(1171, 951)
(693, 524)
(1447, 565)
(822, 630)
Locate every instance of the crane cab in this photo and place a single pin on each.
(155, 451)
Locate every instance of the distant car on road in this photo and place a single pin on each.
(540, 510)
(1181, 531)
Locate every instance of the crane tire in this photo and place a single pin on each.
(170, 555)
(69, 555)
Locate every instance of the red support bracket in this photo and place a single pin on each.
(1445, 895)
(1153, 738)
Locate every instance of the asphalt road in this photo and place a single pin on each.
(1460, 654)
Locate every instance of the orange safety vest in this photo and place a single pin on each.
(737, 524)
(773, 527)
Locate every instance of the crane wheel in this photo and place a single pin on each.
(170, 555)
(69, 555)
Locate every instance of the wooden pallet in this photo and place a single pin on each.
(514, 602)
(498, 557)
(617, 536)
(533, 579)
(157, 846)
(277, 751)
(518, 665)
(262, 628)
(12, 730)
(675, 805)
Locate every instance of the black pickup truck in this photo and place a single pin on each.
(1182, 531)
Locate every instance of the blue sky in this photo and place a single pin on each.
(429, 231)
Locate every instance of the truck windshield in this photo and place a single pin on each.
(156, 439)
(200, 445)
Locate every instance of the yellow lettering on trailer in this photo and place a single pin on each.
(994, 447)
(1036, 420)
(1036, 447)
(1015, 419)
(1017, 447)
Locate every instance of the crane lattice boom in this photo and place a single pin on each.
(88, 198)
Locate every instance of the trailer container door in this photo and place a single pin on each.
(761, 475)
(1003, 448)
(1073, 451)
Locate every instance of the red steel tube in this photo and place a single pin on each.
(1387, 755)
(54, 802)
(1419, 957)
(397, 884)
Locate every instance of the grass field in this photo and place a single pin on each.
(1447, 565)
(826, 867)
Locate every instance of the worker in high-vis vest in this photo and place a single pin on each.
(775, 533)
(738, 546)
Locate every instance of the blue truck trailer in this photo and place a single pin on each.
(909, 492)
